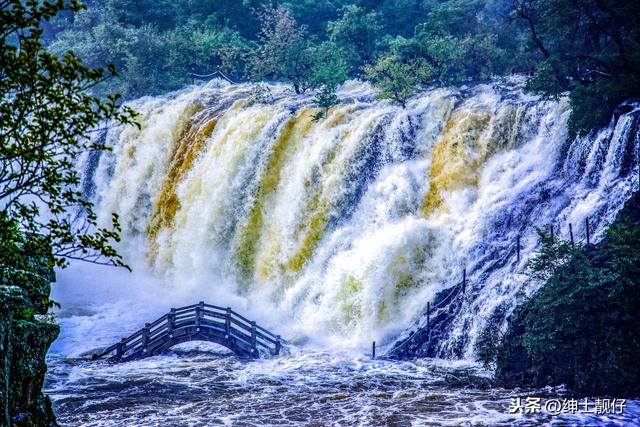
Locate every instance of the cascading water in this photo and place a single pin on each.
(342, 229)
(333, 231)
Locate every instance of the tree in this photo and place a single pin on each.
(202, 50)
(46, 122)
(452, 45)
(587, 47)
(398, 78)
(283, 50)
(325, 99)
(457, 42)
(582, 327)
(356, 33)
(330, 67)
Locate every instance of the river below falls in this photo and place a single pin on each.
(199, 384)
(317, 383)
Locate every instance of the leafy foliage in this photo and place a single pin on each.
(487, 347)
(46, 120)
(588, 48)
(25, 263)
(325, 99)
(396, 77)
(283, 50)
(357, 31)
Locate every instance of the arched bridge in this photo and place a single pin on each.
(197, 322)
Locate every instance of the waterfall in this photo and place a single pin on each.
(344, 227)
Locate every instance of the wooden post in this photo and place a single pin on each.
(227, 322)
(171, 318)
(120, 349)
(199, 314)
(373, 350)
(586, 223)
(518, 248)
(464, 280)
(145, 337)
(571, 233)
(254, 338)
(278, 345)
(428, 313)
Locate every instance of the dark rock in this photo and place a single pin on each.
(24, 342)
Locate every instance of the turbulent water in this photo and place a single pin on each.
(192, 387)
(333, 229)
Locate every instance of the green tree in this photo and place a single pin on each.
(356, 33)
(46, 122)
(457, 42)
(325, 99)
(283, 49)
(590, 48)
(398, 78)
(202, 50)
(451, 46)
(330, 67)
(140, 53)
(399, 17)
(582, 327)
(314, 14)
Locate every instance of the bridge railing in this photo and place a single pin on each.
(434, 311)
(221, 319)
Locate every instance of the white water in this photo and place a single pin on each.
(199, 386)
(339, 231)
(332, 233)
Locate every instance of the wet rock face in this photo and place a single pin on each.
(24, 342)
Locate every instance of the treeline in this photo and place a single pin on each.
(590, 48)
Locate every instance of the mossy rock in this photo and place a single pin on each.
(24, 342)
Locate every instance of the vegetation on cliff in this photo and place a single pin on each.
(582, 327)
(588, 48)
(46, 120)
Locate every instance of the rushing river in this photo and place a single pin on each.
(332, 231)
(197, 385)
(202, 384)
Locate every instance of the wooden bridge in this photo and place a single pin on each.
(197, 322)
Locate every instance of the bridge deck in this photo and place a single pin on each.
(197, 322)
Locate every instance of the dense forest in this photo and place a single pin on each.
(588, 48)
